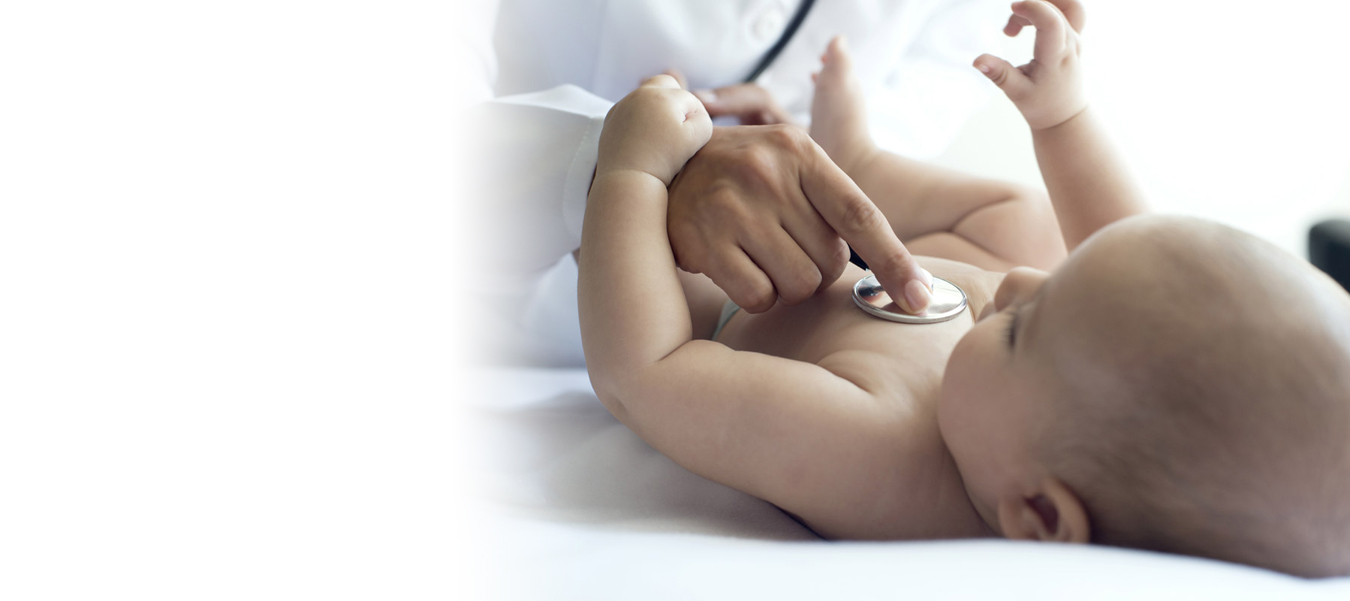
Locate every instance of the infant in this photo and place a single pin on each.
(1173, 384)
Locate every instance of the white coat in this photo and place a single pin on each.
(551, 69)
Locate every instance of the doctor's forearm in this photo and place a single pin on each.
(534, 156)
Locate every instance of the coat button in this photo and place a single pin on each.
(770, 23)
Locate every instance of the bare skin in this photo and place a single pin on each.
(828, 413)
(894, 478)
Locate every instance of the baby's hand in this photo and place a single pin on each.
(839, 112)
(1049, 89)
(654, 130)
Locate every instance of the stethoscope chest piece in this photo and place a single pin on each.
(949, 300)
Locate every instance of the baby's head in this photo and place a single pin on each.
(1176, 385)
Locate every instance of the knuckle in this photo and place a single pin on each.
(687, 264)
(800, 287)
(758, 298)
(889, 261)
(783, 135)
(725, 210)
(755, 166)
(860, 216)
(841, 254)
(685, 233)
(687, 254)
(834, 263)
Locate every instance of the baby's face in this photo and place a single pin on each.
(1198, 367)
(1004, 373)
(990, 398)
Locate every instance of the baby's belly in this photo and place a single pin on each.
(830, 323)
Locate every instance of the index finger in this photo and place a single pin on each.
(860, 223)
(1051, 28)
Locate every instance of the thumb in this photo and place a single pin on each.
(1008, 78)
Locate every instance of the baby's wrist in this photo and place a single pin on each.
(1044, 122)
(606, 176)
(619, 163)
(1052, 124)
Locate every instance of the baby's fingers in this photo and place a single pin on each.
(1052, 30)
(1073, 11)
(660, 81)
(1008, 78)
(1015, 25)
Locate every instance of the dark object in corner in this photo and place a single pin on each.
(1329, 249)
(855, 259)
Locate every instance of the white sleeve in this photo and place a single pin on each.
(530, 158)
(927, 99)
(533, 161)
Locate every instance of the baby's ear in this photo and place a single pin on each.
(1052, 513)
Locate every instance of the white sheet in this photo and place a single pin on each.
(580, 508)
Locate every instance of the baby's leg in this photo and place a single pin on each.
(934, 211)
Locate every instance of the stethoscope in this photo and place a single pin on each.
(948, 298)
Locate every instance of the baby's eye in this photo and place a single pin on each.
(1010, 329)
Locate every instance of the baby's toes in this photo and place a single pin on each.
(838, 64)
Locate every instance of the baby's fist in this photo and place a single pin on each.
(654, 129)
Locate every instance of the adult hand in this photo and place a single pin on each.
(748, 102)
(761, 211)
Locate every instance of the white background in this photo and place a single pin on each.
(226, 331)
(228, 337)
(1237, 111)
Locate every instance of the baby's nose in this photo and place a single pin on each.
(1020, 284)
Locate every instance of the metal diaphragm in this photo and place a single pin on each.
(949, 300)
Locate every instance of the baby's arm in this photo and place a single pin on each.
(938, 212)
(1089, 184)
(751, 421)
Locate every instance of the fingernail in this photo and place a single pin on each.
(706, 96)
(983, 69)
(917, 295)
(927, 278)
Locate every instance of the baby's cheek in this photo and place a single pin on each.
(970, 368)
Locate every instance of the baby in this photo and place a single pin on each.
(1173, 385)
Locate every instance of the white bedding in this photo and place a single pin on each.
(580, 508)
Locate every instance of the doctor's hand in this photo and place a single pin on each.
(761, 211)
(749, 102)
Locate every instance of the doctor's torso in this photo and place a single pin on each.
(607, 47)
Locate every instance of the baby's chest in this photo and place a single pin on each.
(831, 324)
